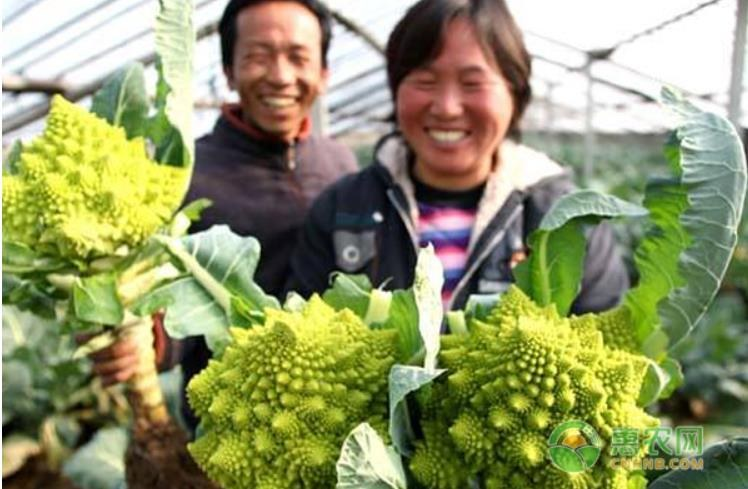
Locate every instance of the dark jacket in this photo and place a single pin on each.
(259, 188)
(365, 224)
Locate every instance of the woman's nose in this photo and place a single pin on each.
(447, 102)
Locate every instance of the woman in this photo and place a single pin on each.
(453, 174)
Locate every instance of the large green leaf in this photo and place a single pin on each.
(553, 272)
(171, 126)
(95, 300)
(682, 260)
(403, 380)
(366, 463)
(100, 464)
(725, 467)
(349, 292)
(403, 316)
(220, 285)
(123, 100)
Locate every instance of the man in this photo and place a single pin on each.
(260, 166)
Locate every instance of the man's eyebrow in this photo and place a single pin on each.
(263, 43)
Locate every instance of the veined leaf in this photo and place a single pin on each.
(366, 463)
(403, 316)
(403, 380)
(95, 300)
(725, 467)
(14, 156)
(171, 127)
(123, 101)
(349, 291)
(220, 286)
(427, 289)
(552, 274)
(683, 259)
(100, 464)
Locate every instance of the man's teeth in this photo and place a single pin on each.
(278, 102)
(447, 136)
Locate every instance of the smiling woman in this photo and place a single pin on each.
(453, 175)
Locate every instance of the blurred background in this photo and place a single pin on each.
(598, 67)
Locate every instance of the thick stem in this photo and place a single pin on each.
(144, 391)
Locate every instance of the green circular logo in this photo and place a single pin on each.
(574, 446)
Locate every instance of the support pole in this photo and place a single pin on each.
(589, 128)
(738, 64)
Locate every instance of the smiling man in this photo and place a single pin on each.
(260, 166)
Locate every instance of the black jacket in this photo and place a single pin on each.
(259, 188)
(365, 224)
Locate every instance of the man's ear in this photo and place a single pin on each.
(228, 73)
(324, 79)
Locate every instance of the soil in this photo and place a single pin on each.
(157, 458)
(35, 474)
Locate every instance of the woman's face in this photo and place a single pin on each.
(455, 111)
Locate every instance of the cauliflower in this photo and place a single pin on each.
(278, 404)
(512, 380)
(82, 190)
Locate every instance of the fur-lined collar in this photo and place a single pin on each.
(519, 168)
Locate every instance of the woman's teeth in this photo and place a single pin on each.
(447, 136)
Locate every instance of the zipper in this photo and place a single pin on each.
(405, 218)
(291, 157)
(482, 256)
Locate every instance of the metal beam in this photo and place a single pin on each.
(738, 64)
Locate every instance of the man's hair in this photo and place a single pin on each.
(228, 28)
(418, 37)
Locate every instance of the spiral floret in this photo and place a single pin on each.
(294, 388)
(516, 377)
(82, 190)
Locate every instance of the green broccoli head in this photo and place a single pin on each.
(518, 375)
(82, 190)
(277, 406)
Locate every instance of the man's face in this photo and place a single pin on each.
(277, 69)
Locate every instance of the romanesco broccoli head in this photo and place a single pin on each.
(278, 404)
(82, 190)
(513, 379)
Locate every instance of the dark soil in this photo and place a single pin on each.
(158, 458)
(35, 474)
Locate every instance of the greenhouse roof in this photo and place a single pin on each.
(627, 49)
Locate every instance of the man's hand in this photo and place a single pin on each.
(115, 363)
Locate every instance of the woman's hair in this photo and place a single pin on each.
(418, 38)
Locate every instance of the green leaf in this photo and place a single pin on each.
(427, 289)
(221, 265)
(403, 317)
(682, 260)
(99, 464)
(194, 209)
(95, 300)
(171, 127)
(27, 296)
(349, 291)
(403, 380)
(725, 467)
(366, 463)
(660, 381)
(190, 311)
(553, 272)
(123, 100)
(20, 259)
(14, 157)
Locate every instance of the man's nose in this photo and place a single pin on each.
(280, 71)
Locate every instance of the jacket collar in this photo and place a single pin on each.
(519, 168)
(233, 114)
